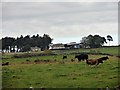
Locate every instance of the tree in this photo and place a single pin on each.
(26, 48)
(84, 42)
(99, 41)
(6, 42)
(46, 41)
(93, 41)
(24, 43)
(109, 38)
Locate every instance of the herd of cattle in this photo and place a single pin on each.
(81, 57)
(88, 61)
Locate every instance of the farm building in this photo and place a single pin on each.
(71, 45)
(56, 46)
(35, 49)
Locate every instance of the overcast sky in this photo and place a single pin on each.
(64, 21)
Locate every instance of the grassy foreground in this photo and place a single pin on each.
(59, 74)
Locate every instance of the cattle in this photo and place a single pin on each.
(6, 63)
(103, 58)
(64, 57)
(82, 57)
(100, 60)
(96, 61)
(91, 61)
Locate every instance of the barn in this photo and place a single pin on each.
(73, 45)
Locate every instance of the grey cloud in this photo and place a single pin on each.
(59, 0)
(78, 12)
(60, 20)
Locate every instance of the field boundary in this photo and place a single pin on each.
(26, 55)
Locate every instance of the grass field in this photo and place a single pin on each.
(61, 73)
(108, 50)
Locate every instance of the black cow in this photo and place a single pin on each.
(82, 57)
(64, 57)
(6, 63)
(103, 58)
(100, 60)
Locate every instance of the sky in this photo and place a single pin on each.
(64, 21)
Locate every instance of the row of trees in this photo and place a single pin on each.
(95, 41)
(25, 43)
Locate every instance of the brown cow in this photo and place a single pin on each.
(96, 61)
(91, 61)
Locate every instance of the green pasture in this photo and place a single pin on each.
(60, 73)
(108, 50)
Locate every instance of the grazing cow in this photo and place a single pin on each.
(64, 57)
(7, 63)
(82, 57)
